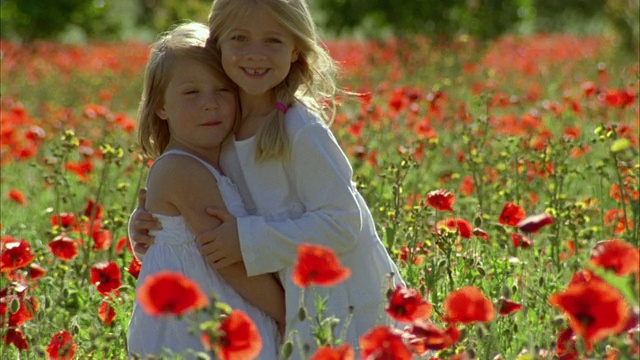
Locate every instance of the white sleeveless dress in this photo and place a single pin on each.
(175, 249)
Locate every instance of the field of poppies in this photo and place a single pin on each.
(503, 177)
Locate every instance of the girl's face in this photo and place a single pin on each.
(257, 52)
(200, 108)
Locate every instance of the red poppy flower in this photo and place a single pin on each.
(240, 340)
(506, 307)
(407, 305)
(106, 277)
(521, 241)
(466, 186)
(424, 336)
(82, 169)
(441, 199)
(511, 214)
(382, 343)
(65, 220)
(28, 305)
(566, 344)
(462, 226)
(121, 244)
(616, 255)
(615, 218)
(533, 223)
(15, 253)
(64, 247)
(342, 352)
(101, 239)
(134, 267)
(318, 265)
(468, 305)
(17, 196)
(61, 346)
(33, 273)
(16, 338)
(589, 88)
(93, 210)
(106, 313)
(595, 310)
(479, 233)
(170, 293)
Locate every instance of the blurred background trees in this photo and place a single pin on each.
(78, 20)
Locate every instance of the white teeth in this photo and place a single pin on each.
(256, 71)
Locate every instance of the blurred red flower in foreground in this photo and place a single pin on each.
(318, 265)
(511, 214)
(240, 339)
(616, 255)
(15, 253)
(533, 223)
(17, 196)
(64, 247)
(595, 310)
(468, 305)
(61, 346)
(441, 199)
(424, 336)
(342, 352)
(380, 343)
(407, 305)
(170, 293)
(106, 277)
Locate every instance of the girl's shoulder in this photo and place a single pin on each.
(299, 117)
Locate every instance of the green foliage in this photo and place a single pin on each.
(43, 19)
(159, 15)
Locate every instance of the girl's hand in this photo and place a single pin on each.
(221, 246)
(140, 222)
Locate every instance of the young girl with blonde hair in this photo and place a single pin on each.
(188, 108)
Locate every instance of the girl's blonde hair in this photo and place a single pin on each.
(184, 41)
(311, 79)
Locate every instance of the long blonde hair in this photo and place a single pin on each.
(186, 40)
(311, 79)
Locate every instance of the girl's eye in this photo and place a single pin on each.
(274, 40)
(240, 38)
(189, 92)
(223, 89)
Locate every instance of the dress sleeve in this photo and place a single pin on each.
(320, 175)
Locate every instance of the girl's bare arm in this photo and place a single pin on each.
(183, 185)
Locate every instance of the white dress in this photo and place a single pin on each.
(311, 198)
(175, 249)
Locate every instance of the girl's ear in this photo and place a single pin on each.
(162, 113)
(294, 55)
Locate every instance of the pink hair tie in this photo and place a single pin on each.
(281, 106)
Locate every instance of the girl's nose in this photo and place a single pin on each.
(254, 53)
(210, 103)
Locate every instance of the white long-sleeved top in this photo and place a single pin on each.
(310, 197)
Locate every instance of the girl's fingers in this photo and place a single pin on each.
(142, 198)
(144, 225)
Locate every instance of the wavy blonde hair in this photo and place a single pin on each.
(311, 79)
(184, 41)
